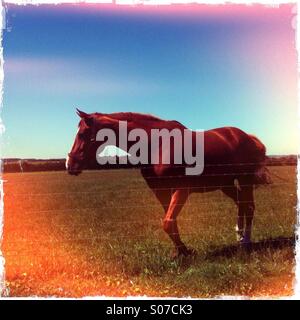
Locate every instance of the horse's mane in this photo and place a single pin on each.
(138, 117)
(130, 116)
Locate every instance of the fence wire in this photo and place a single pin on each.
(13, 206)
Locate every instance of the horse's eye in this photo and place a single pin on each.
(80, 135)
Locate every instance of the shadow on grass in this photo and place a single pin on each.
(262, 245)
(238, 250)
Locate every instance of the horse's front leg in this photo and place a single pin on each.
(178, 200)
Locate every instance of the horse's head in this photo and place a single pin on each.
(81, 152)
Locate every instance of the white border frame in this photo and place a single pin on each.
(3, 289)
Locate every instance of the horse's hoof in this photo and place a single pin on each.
(183, 252)
(240, 238)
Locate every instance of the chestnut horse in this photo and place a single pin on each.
(234, 162)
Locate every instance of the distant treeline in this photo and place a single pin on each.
(31, 165)
(35, 165)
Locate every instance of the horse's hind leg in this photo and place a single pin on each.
(247, 207)
(232, 192)
(244, 198)
(178, 200)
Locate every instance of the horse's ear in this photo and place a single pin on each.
(82, 114)
(88, 119)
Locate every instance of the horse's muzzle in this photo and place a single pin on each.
(73, 167)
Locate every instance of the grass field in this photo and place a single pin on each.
(100, 234)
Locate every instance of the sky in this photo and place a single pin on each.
(205, 66)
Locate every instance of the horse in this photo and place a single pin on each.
(234, 162)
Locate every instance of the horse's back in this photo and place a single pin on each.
(229, 153)
(232, 145)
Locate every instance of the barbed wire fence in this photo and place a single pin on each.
(75, 218)
(16, 203)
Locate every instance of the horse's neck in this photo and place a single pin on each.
(139, 123)
(119, 133)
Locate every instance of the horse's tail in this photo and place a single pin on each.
(258, 158)
(262, 176)
(261, 172)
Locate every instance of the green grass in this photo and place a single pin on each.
(100, 234)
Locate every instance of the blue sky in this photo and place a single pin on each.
(204, 68)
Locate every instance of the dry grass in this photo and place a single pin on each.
(100, 234)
